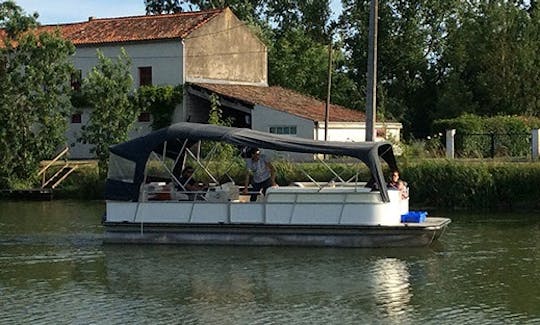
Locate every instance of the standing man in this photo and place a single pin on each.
(264, 174)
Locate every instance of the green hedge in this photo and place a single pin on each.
(455, 184)
(436, 183)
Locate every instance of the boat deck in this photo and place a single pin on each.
(430, 222)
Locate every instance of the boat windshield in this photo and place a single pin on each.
(121, 169)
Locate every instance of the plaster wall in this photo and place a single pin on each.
(224, 50)
(165, 58)
(263, 118)
(79, 150)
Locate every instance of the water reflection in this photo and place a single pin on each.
(391, 287)
(309, 281)
(54, 269)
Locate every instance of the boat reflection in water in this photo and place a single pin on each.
(391, 287)
(213, 285)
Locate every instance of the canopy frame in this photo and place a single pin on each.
(180, 136)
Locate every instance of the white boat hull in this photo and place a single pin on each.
(288, 216)
(282, 206)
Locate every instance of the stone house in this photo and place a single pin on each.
(209, 52)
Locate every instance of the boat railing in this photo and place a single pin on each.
(162, 191)
(229, 192)
(294, 194)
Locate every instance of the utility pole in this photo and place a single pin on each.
(371, 96)
(328, 91)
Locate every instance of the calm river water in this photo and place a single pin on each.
(55, 270)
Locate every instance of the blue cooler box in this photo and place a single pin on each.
(414, 217)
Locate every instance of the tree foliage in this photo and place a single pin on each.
(436, 59)
(157, 7)
(34, 94)
(160, 101)
(107, 89)
(492, 59)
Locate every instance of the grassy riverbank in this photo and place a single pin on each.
(477, 185)
(436, 183)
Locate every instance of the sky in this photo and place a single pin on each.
(63, 11)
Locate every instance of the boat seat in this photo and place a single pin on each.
(223, 193)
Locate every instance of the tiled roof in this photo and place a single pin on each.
(134, 28)
(285, 100)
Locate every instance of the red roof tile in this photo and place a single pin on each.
(134, 28)
(285, 100)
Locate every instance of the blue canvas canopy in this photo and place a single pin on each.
(137, 151)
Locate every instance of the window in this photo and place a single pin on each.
(76, 118)
(145, 76)
(144, 117)
(76, 79)
(290, 130)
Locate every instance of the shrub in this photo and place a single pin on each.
(474, 134)
(433, 183)
(446, 183)
(83, 183)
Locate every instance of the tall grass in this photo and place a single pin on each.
(433, 182)
(484, 185)
(83, 183)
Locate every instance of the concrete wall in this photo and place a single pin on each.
(165, 58)
(224, 50)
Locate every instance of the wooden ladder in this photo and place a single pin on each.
(60, 175)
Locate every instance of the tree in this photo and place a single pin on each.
(410, 41)
(158, 7)
(245, 10)
(492, 57)
(35, 70)
(311, 17)
(107, 89)
(160, 101)
(299, 63)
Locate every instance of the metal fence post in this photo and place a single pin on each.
(450, 143)
(492, 149)
(535, 143)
